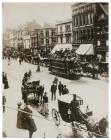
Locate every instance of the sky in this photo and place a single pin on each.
(15, 14)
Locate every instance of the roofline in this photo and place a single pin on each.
(48, 28)
(64, 22)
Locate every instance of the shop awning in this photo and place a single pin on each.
(85, 49)
(59, 47)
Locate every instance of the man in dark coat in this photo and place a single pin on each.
(28, 121)
(3, 78)
(40, 91)
(24, 94)
(53, 91)
(6, 85)
(19, 116)
(65, 90)
(55, 80)
(60, 88)
(45, 103)
(74, 105)
(76, 113)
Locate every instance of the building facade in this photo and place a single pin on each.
(35, 40)
(20, 41)
(64, 32)
(27, 41)
(47, 37)
(13, 40)
(90, 26)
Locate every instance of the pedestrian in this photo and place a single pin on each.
(20, 61)
(40, 92)
(30, 73)
(6, 85)
(65, 90)
(24, 94)
(44, 108)
(74, 105)
(60, 88)
(38, 68)
(19, 117)
(3, 102)
(3, 77)
(53, 91)
(56, 80)
(29, 121)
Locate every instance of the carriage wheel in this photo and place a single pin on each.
(56, 116)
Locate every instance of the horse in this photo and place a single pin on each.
(94, 129)
(97, 129)
(101, 128)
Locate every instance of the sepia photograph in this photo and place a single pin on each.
(55, 75)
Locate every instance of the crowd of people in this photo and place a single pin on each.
(66, 54)
(40, 96)
(61, 88)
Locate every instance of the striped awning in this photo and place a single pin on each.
(85, 49)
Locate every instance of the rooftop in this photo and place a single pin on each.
(64, 21)
(48, 26)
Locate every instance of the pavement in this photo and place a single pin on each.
(93, 92)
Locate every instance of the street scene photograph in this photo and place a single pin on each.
(55, 75)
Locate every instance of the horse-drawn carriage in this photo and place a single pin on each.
(65, 68)
(32, 92)
(83, 125)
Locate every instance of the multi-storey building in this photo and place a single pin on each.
(13, 40)
(35, 40)
(27, 41)
(64, 32)
(5, 39)
(48, 37)
(90, 26)
(20, 42)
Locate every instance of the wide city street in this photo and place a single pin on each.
(93, 92)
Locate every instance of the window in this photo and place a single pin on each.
(53, 32)
(61, 39)
(68, 39)
(91, 16)
(67, 28)
(107, 42)
(75, 21)
(42, 41)
(61, 29)
(98, 43)
(42, 34)
(88, 18)
(47, 33)
(47, 41)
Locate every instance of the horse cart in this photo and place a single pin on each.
(32, 92)
(83, 125)
(65, 68)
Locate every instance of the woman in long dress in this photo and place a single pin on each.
(44, 108)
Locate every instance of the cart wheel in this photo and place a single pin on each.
(56, 116)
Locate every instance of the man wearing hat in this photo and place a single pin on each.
(74, 106)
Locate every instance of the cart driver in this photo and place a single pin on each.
(74, 107)
(76, 113)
